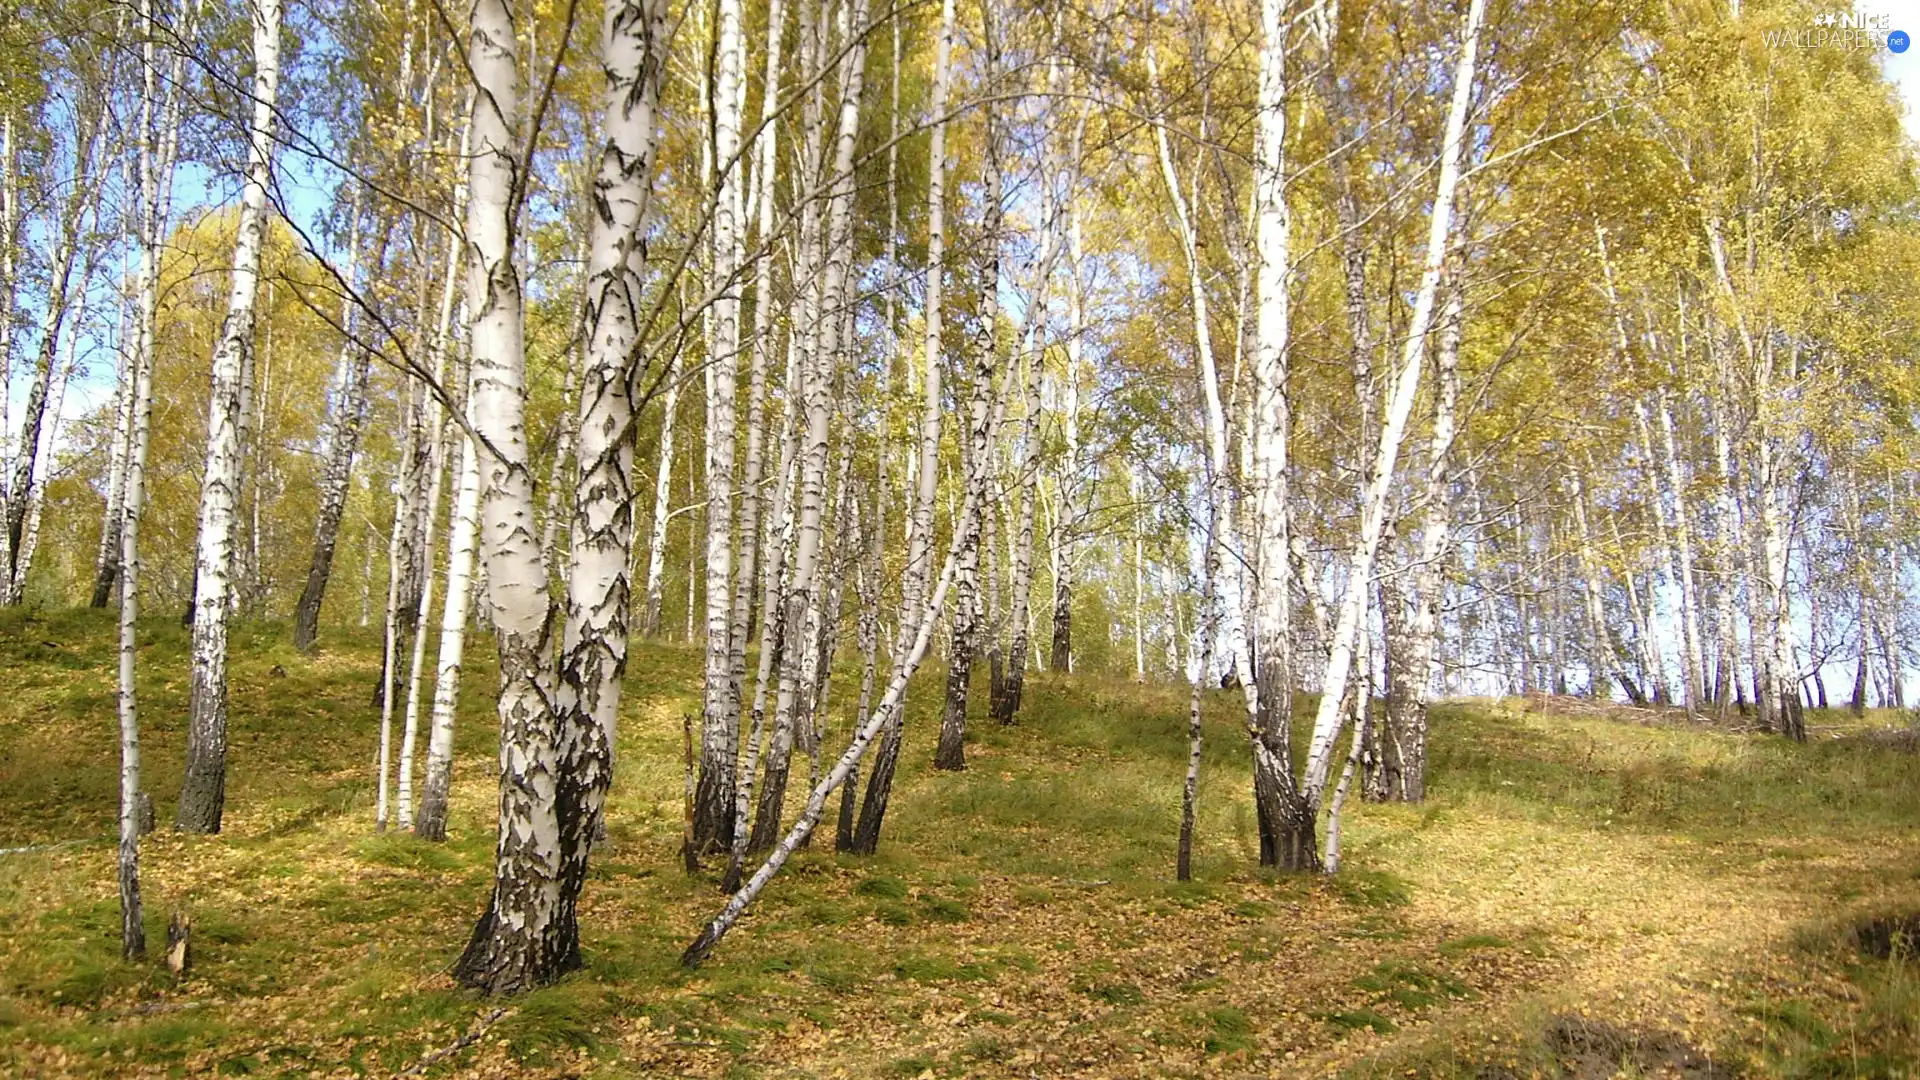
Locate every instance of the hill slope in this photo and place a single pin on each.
(1582, 893)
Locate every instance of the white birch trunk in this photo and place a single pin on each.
(1409, 734)
(106, 570)
(884, 717)
(514, 945)
(593, 653)
(350, 416)
(1060, 655)
(72, 232)
(151, 214)
(431, 823)
(920, 545)
(968, 620)
(662, 503)
(410, 728)
(798, 655)
(765, 175)
(203, 791)
(720, 729)
(1600, 652)
(1676, 489)
(1320, 752)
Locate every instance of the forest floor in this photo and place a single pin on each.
(1588, 892)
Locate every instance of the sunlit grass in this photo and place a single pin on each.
(1690, 889)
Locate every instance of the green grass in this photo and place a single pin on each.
(1021, 917)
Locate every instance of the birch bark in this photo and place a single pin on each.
(765, 176)
(203, 790)
(155, 179)
(968, 613)
(720, 727)
(343, 444)
(1297, 830)
(1060, 656)
(801, 598)
(70, 235)
(1027, 481)
(514, 944)
(1287, 823)
(915, 628)
(593, 654)
(1407, 732)
(431, 822)
(662, 504)
(884, 717)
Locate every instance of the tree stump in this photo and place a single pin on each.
(179, 929)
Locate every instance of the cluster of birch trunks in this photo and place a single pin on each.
(906, 330)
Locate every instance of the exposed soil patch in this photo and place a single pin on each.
(1889, 934)
(1596, 1050)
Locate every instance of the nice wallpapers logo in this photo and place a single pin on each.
(1836, 30)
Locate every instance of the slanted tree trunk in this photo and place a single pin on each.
(916, 626)
(885, 716)
(968, 610)
(349, 417)
(37, 488)
(801, 599)
(1296, 829)
(70, 236)
(203, 791)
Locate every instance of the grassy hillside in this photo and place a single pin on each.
(1584, 895)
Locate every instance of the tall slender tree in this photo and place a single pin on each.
(203, 791)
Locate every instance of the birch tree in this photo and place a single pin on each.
(720, 727)
(873, 808)
(593, 654)
(517, 942)
(819, 373)
(969, 615)
(153, 145)
(203, 791)
(556, 725)
(343, 445)
(1296, 839)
